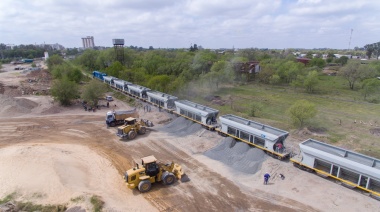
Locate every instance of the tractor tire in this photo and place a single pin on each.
(112, 124)
(144, 186)
(142, 130)
(132, 135)
(168, 178)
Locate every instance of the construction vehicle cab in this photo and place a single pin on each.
(150, 172)
(130, 121)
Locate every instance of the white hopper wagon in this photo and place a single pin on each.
(205, 116)
(138, 91)
(267, 138)
(161, 99)
(122, 85)
(109, 80)
(353, 169)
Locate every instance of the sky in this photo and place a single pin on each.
(273, 24)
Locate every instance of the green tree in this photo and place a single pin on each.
(202, 62)
(317, 62)
(311, 81)
(53, 61)
(370, 48)
(94, 91)
(115, 69)
(330, 57)
(75, 75)
(301, 111)
(274, 79)
(342, 60)
(67, 70)
(64, 90)
(370, 86)
(267, 71)
(160, 83)
(88, 59)
(221, 71)
(351, 73)
(298, 82)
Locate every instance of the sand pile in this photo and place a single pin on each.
(181, 127)
(238, 155)
(15, 106)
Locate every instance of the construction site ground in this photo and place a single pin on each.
(64, 155)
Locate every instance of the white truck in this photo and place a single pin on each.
(114, 118)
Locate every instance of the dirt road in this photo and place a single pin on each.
(53, 155)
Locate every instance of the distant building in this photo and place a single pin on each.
(305, 61)
(88, 42)
(46, 54)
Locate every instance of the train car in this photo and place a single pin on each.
(99, 75)
(110, 80)
(352, 169)
(161, 99)
(122, 85)
(139, 91)
(267, 138)
(206, 116)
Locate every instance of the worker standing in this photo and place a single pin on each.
(266, 178)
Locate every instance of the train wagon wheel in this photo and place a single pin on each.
(297, 165)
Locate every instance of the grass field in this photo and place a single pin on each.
(338, 108)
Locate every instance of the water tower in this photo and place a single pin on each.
(118, 44)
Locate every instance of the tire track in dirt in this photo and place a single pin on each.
(218, 192)
(206, 191)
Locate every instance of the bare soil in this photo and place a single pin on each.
(55, 155)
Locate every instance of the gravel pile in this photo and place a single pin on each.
(181, 127)
(12, 106)
(238, 155)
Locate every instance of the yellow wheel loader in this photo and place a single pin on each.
(151, 171)
(132, 127)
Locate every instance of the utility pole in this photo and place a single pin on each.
(349, 43)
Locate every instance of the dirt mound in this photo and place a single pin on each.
(53, 110)
(181, 127)
(238, 155)
(13, 106)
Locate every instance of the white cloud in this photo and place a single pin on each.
(211, 23)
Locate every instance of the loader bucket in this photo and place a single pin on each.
(185, 178)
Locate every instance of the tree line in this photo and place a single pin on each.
(172, 70)
(183, 72)
(373, 49)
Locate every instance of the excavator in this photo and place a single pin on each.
(151, 171)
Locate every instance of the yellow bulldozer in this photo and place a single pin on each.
(132, 127)
(152, 171)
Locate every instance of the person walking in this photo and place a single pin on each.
(266, 178)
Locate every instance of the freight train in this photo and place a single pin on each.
(351, 169)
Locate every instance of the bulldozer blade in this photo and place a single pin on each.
(185, 178)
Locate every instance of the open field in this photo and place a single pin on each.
(343, 118)
(55, 155)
